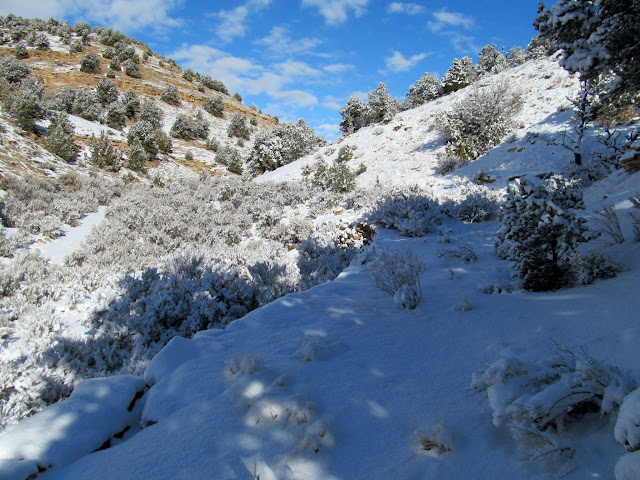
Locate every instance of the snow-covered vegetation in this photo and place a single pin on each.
(339, 311)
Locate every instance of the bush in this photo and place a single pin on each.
(60, 140)
(216, 85)
(212, 144)
(539, 231)
(20, 51)
(170, 95)
(214, 105)
(163, 141)
(138, 157)
(237, 97)
(41, 41)
(587, 268)
(103, 154)
(116, 115)
(23, 102)
(131, 103)
(188, 75)
(75, 46)
(151, 113)
(189, 155)
(90, 63)
(227, 156)
(107, 91)
(131, 69)
(337, 177)
(14, 71)
(143, 132)
(479, 122)
(238, 127)
(397, 274)
(87, 105)
(345, 153)
(427, 88)
(189, 128)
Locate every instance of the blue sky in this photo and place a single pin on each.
(305, 58)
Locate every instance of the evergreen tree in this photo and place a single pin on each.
(103, 153)
(460, 74)
(214, 105)
(90, 63)
(170, 95)
(381, 106)
(353, 115)
(138, 157)
(427, 88)
(491, 60)
(60, 138)
(107, 91)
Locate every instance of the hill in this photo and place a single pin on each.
(281, 329)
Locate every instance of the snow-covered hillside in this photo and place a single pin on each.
(339, 382)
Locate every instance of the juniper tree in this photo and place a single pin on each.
(107, 91)
(214, 105)
(103, 153)
(427, 88)
(151, 113)
(460, 74)
(353, 115)
(238, 127)
(381, 106)
(60, 138)
(491, 60)
(170, 95)
(90, 63)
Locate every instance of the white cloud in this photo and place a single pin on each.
(408, 8)
(280, 43)
(330, 131)
(233, 22)
(445, 19)
(399, 63)
(126, 15)
(337, 11)
(332, 102)
(338, 68)
(250, 78)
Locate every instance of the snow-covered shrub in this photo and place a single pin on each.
(337, 177)
(345, 153)
(170, 95)
(103, 153)
(461, 74)
(143, 132)
(20, 51)
(539, 230)
(480, 121)
(214, 105)
(212, 144)
(87, 105)
(427, 88)
(433, 440)
(152, 113)
(475, 203)
(516, 56)
(411, 211)
(539, 401)
(397, 274)
(227, 155)
(60, 138)
(491, 61)
(163, 141)
(282, 145)
(463, 252)
(607, 223)
(381, 106)
(216, 85)
(447, 164)
(186, 127)
(23, 102)
(130, 68)
(138, 156)
(14, 71)
(90, 63)
(587, 268)
(75, 46)
(240, 365)
(238, 127)
(41, 41)
(131, 103)
(354, 115)
(627, 429)
(116, 115)
(107, 91)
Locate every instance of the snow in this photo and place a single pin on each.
(71, 238)
(96, 410)
(339, 381)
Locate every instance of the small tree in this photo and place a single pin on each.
(87, 105)
(107, 91)
(131, 103)
(20, 51)
(116, 115)
(23, 102)
(184, 127)
(138, 157)
(131, 69)
(238, 127)
(90, 63)
(353, 115)
(381, 106)
(60, 138)
(427, 88)
(516, 56)
(13, 70)
(460, 74)
(491, 61)
(214, 105)
(539, 231)
(170, 95)
(143, 133)
(103, 154)
(152, 113)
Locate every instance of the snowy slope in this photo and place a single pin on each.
(339, 382)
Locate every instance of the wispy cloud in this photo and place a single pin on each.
(407, 8)
(399, 63)
(444, 19)
(128, 16)
(241, 74)
(233, 23)
(337, 11)
(338, 68)
(280, 43)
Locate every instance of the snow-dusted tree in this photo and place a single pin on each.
(90, 63)
(13, 70)
(479, 121)
(214, 105)
(596, 37)
(107, 91)
(238, 127)
(131, 69)
(461, 73)
(170, 95)
(131, 103)
(65, 98)
(87, 105)
(103, 153)
(516, 56)
(60, 138)
(138, 156)
(163, 141)
(427, 88)
(82, 30)
(23, 102)
(116, 115)
(151, 113)
(189, 128)
(75, 46)
(143, 132)
(381, 106)
(216, 85)
(202, 125)
(227, 155)
(541, 46)
(41, 41)
(491, 60)
(20, 51)
(188, 75)
(353, 115)
(539, 231)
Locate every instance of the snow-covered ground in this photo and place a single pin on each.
(338, 382)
